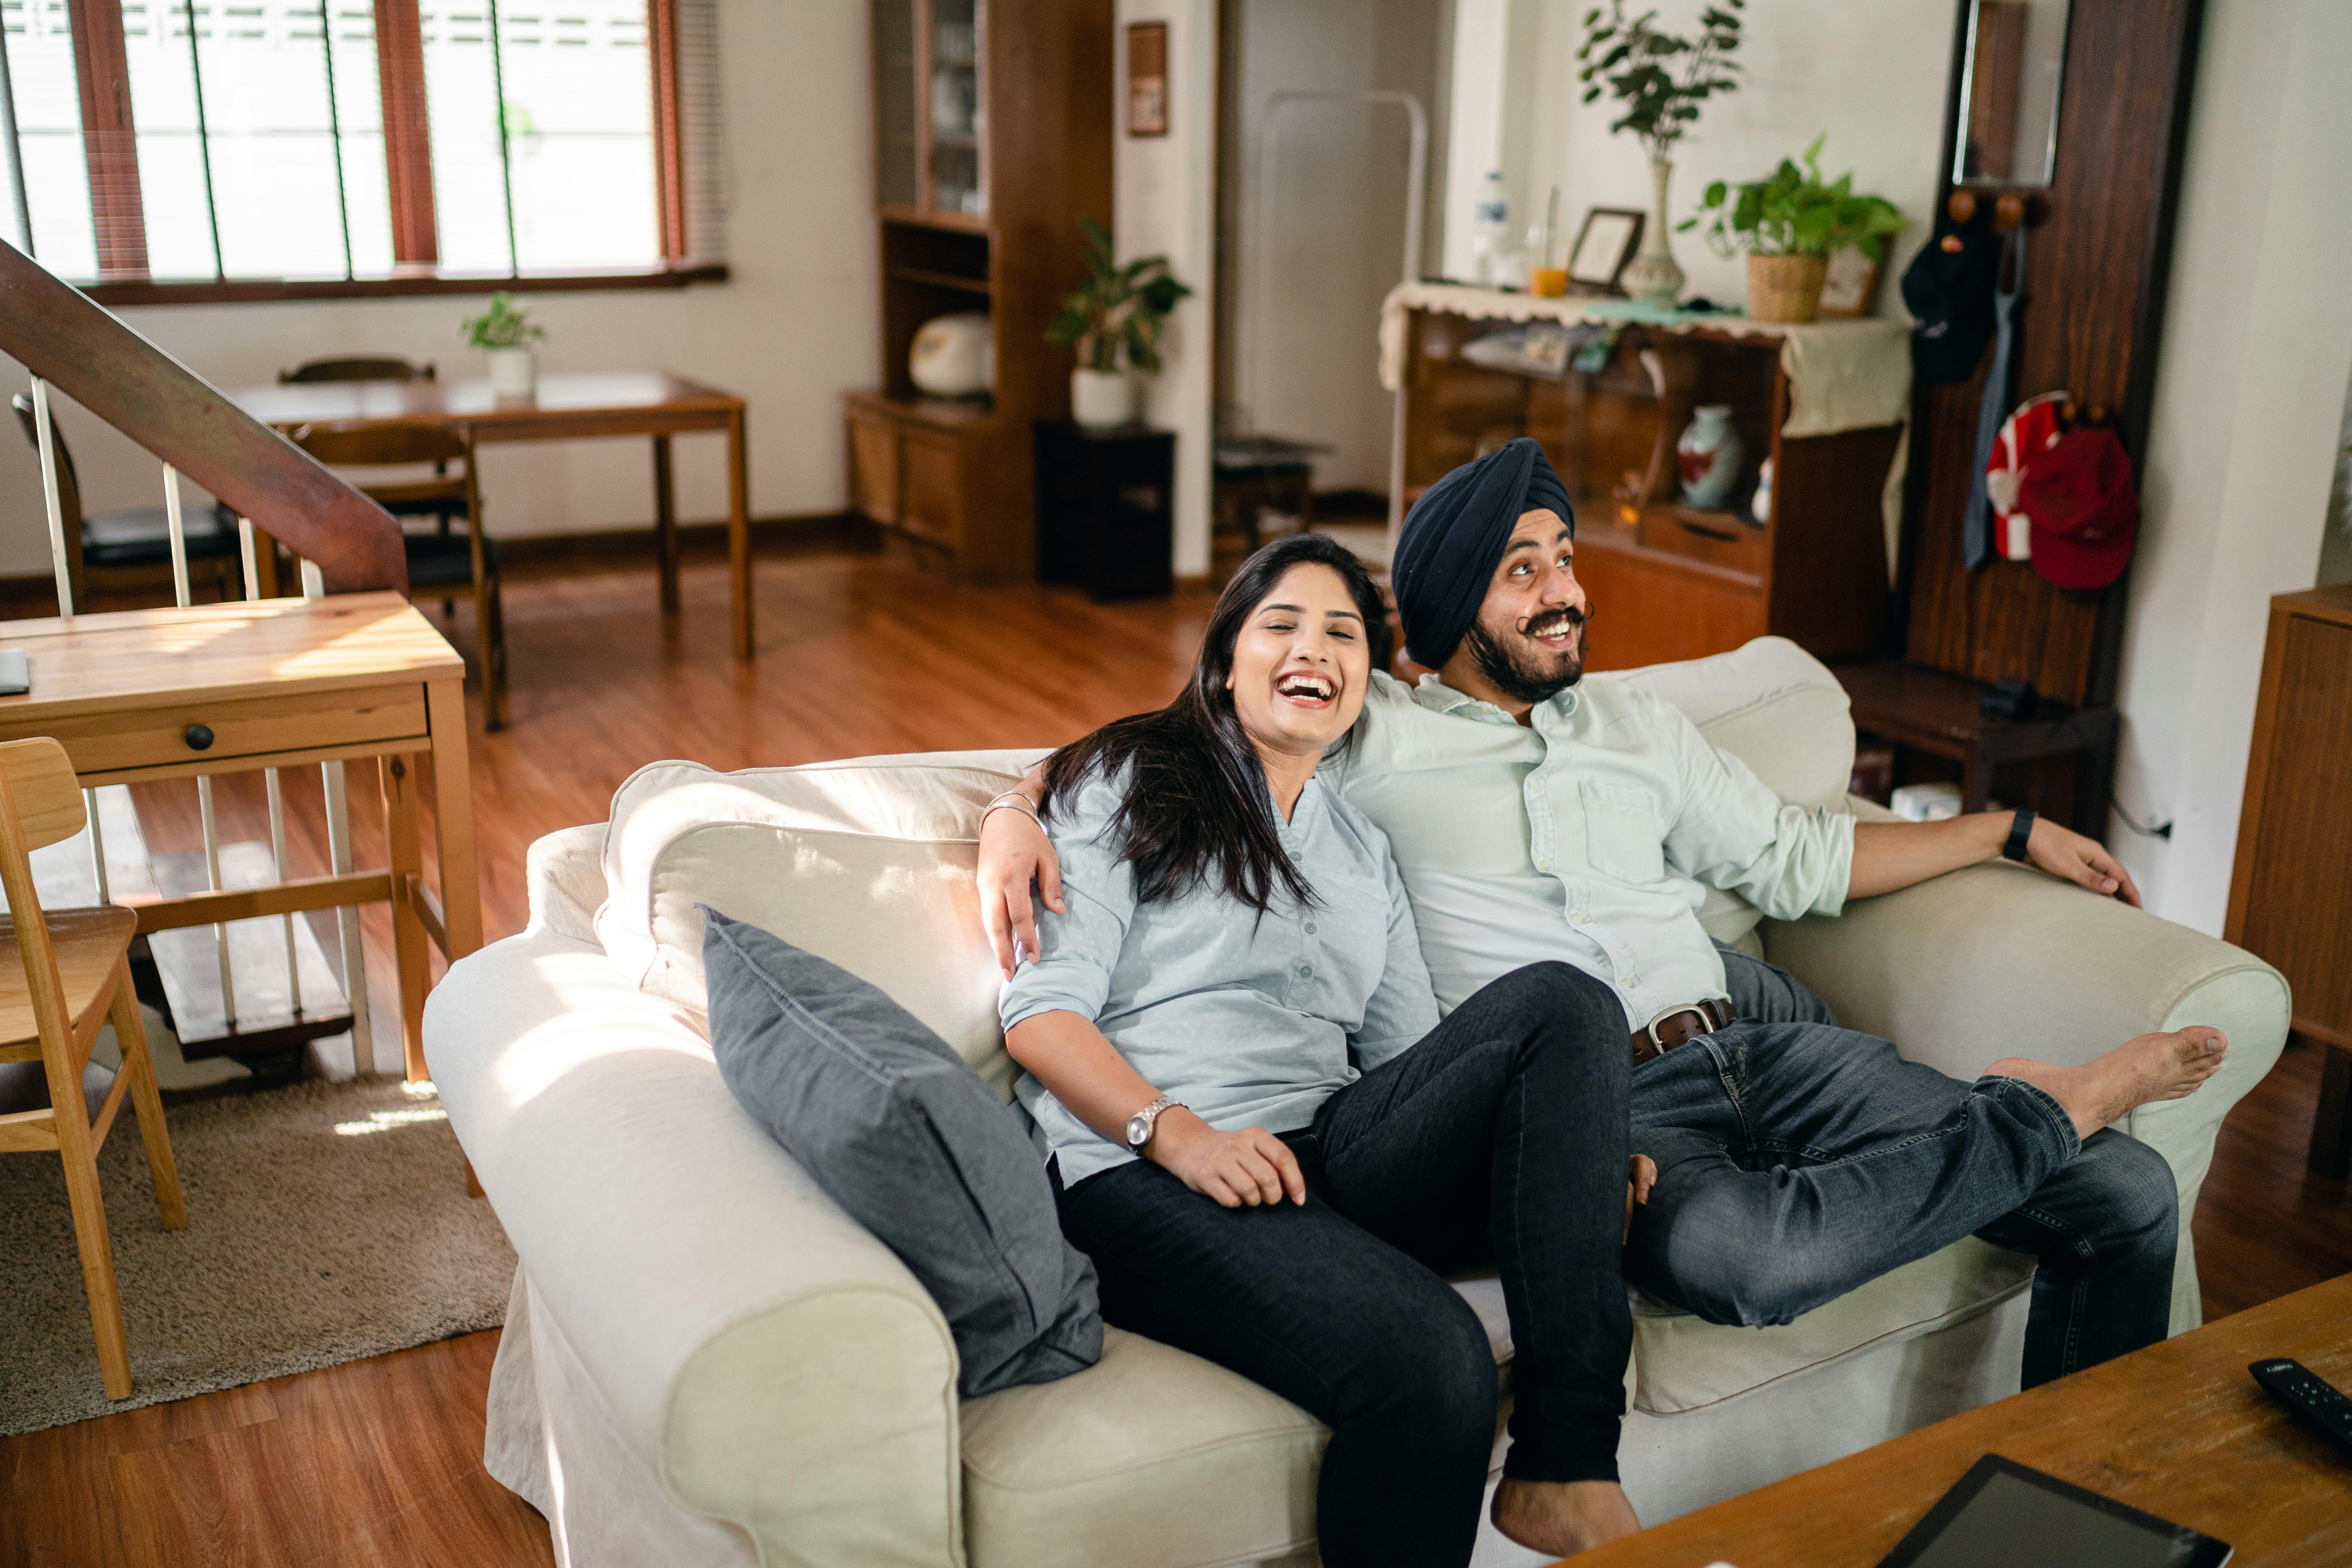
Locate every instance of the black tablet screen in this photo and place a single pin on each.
(2015, 1523)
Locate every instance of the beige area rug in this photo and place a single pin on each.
(326, 1222)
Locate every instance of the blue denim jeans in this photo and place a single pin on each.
(1797, 1160)
(1499, 1138)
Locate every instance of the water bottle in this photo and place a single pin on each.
(1490, 223)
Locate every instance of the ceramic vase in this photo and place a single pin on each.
(1654, 275)
(1708, 457)
(1100, 399)
(514, 373)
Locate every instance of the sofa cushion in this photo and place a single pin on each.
(899, 1132)
(867, 863)
(1683, 1363)
(1151, 1459)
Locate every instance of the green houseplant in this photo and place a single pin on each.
(1789, 223)
(1660, 80)
(506, 332)
(1116, 318)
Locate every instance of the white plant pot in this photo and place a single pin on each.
(514, 373)
(1100, 399)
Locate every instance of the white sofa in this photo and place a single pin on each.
(706, 1363)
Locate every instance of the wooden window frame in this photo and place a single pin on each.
(109, 143)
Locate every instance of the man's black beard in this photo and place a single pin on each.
(1521, 680)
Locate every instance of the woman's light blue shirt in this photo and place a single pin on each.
(1248, 1021)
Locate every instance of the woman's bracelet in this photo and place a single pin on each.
(1014, 800)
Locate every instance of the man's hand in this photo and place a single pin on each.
(1013, 850)
(2071, 858)
(1641, 1175)
(1249, 1168)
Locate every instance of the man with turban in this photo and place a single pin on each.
(1533, 817)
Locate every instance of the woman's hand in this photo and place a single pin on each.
(1641, 1175)
(1244, 1169)
(1013, 850)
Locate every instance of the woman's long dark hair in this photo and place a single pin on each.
(1197, 810)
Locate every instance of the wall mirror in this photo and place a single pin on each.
(2014, 60)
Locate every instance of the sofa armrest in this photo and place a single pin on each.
(564, 872)
(774, 1363)
(1998, 961)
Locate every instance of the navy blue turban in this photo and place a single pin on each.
(1454, 537)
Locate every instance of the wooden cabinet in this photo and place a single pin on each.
(2291, 887)
(1669, 581)
(991, 140)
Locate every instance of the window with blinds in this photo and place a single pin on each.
(212, 140)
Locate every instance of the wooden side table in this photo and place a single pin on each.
(1106, 508)
(2291, 887)
(1254, 473)
(1937, 712)
(240, 686)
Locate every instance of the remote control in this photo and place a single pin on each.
(2320, 1402)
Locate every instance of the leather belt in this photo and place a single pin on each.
(1678, 1026)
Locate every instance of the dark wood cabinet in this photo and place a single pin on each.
(1106, 508)
(1669, 581)
(2291, 887)
(991, 126)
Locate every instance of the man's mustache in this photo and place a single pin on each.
(1537, 626)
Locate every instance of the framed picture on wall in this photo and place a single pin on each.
(1603, 245)
(1147, 79)
(1852, 286)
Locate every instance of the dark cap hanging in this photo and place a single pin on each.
(1454, 537)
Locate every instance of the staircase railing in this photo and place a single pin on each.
(68, 342)
(343, 541)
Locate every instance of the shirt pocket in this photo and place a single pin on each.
(1625, 831)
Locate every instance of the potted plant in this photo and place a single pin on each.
(1116, 317)
(506, 333)
(1661, 79)
(1790, 224)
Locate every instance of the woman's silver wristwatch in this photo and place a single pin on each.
(1139, 1125)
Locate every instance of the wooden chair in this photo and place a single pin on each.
(357, 367)
(132, 548)
(62, 975)
(434, 560)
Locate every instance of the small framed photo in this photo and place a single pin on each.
(1852, 288)
(1147, 79)
(1603, 245)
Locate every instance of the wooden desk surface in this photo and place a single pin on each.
(256, 647)
(2178, 1429)
(603, 395)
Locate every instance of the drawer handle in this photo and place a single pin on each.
(199, 738)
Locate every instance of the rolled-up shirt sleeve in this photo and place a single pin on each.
(1402, 1007)
(1082, 945)
(1734, 833)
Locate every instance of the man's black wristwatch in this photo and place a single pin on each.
(2020, 830)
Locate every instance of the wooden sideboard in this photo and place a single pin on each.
(1669, 581)
(2291, 889)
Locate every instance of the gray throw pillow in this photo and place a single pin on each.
(908, 1138)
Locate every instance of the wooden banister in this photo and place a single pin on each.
(59, 335)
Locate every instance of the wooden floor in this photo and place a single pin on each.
(379, 1461)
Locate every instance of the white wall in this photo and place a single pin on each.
(2243, 443)
(1164, 202)
(795, 325)
(1314, 257)
(1873, 77)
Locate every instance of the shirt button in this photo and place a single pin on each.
(1310, 928)
(1306, 972)
(1578, 916)
(1543, 865)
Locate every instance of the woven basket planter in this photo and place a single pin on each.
(1786, 288)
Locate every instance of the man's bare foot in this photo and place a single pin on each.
(2147, 1067)
(1563, 1516)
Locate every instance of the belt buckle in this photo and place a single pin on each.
(1650, 1028)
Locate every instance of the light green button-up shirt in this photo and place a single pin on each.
(1589, 836)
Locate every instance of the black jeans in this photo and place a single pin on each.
(1797, 1160)
(1500, 1137)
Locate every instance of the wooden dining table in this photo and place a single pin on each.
(569, 407)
